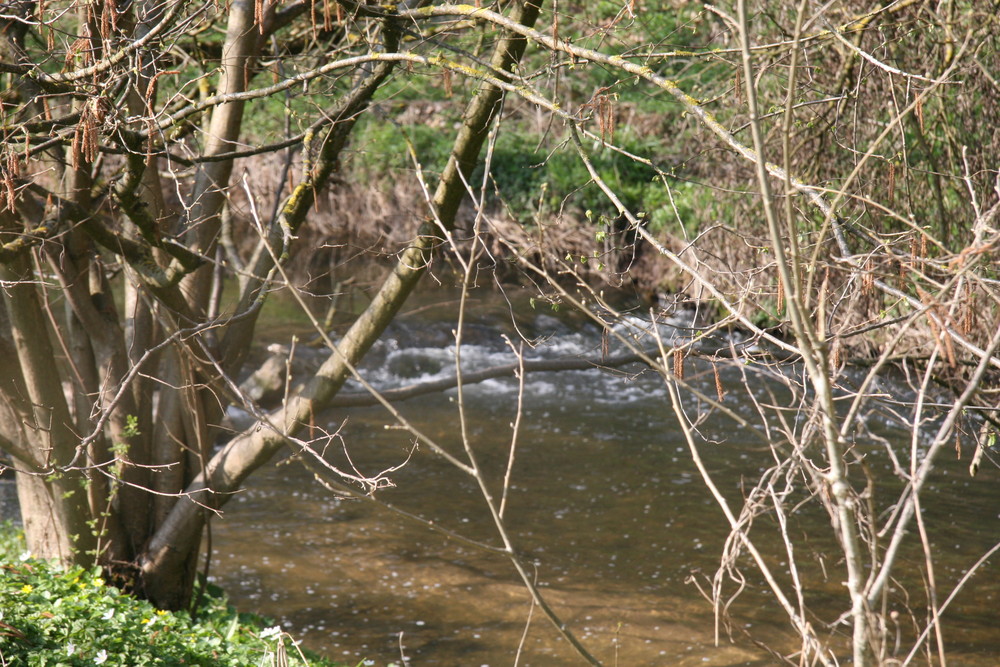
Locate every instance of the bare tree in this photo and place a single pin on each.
(837, 262)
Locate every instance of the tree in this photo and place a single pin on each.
(123, 123)
(101, 476)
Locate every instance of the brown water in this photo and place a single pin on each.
(606, 505)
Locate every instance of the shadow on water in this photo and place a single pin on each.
(605, 504)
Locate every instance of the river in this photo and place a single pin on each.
(605, 504)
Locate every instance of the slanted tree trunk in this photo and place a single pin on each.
(180, 533)
(112, 413)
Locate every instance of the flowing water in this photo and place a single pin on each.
(605, 504)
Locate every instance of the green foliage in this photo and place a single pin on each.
(529, 179)
(381, 148)
(536, 180)
(765, 316)
(54, 616)
(131, 426)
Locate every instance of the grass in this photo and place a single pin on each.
(70, 616)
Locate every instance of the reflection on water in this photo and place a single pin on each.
(605, 504)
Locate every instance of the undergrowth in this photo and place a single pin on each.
(70, 616)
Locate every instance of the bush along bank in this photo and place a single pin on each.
(70, 616)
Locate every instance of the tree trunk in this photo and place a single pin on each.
(56, 518)
(180, 533)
